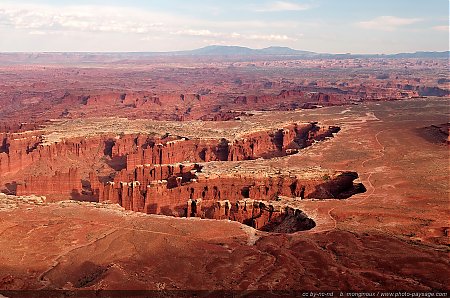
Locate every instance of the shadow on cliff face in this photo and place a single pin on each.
(289, 224)
(432, 91)
(261, 215)
(117, 163)
(10, 188)
(108, 146)
(341, 187)
(436, 134)
(84, 196)
(290, 220)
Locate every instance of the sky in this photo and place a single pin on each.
(325, 26)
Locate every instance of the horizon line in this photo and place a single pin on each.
(224, 46)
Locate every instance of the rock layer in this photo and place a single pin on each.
(264, 144)
(59, 184)
(161, 174)
(169, 196)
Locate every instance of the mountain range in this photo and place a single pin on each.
(214, 52)
(219, 50)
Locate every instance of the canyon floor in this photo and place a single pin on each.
(394, 236)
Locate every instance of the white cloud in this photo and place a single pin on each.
(234, 35)
(284, 6)
(43, 18)
(444, 28)
(271, 37)
(192, 32)
(63, 20)
(255, 24)
(38, 32)
(100, 27)
(388, 23)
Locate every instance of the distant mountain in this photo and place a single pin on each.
(435, 55)
(284, 51)
(422, 55)
(221, 51)
(217, 50)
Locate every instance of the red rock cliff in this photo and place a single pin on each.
(58, 184)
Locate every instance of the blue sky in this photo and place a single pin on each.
(332, 26)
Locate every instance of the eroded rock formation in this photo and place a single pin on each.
(169, 196)
(264, 144)
(19, 150)
(58, 184)
(160, 174)
(262, 215)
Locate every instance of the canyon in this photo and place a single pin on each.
(158, 174)
(185, 88)
(208, 173)
(76, 245)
